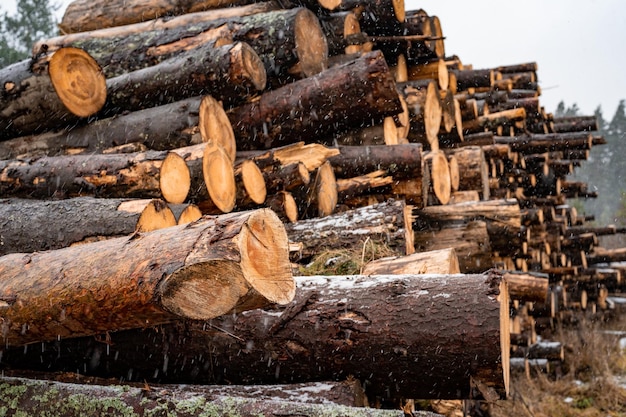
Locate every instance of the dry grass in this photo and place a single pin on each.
(587, 387)
(348, 261)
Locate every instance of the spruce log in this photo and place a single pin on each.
(112, 175)
(503, 220)
(318, 198)
(399, 161)
(281, 38)
(217, 265)
(37, 397)
(229, 73)
(52, 91)
(337, 27)
(159, 128)
(35, 225)
(526, 287)
(87, 15)
(311, 108)
(538, 143)
(442, 261)
(454, 327)
(575, 124)
(385, 222)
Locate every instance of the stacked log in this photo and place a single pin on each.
(348, 120)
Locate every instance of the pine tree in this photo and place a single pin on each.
(33, 20)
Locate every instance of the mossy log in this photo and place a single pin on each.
(37, 397)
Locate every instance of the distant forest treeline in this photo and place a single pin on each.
(605, 170)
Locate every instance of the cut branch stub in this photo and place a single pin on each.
(215, 126)
(219, 177)
(78, 81)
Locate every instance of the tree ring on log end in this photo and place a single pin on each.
(253, 67)
(440, 177)
(174, 179)
(156, 215)
(311, 44)
(253, 181)
(191, 213)
(205, 290)
(432, 115)
(219, 177)
(215, 127)
(264, 256)
(399, 10)
(78, 81)
(326, 190)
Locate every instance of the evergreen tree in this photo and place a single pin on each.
(33, 20)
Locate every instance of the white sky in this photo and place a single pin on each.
(579, 45)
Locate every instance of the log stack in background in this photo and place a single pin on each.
(352, 124)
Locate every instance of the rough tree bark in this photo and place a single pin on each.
(335, 327)
(221, 264)
(311, 108)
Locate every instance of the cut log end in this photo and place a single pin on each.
(191, 213)
(432, 115)
(505, 334)
(311, 45)
(326, 190)
(219, 177)
(399, 9)
(253, 182)
(156, 215)
(247, 67)
(264, 247)
(440, 176)
(78, 81)
(174, 179)
(184, 293)
(215, 127)
(284, 205)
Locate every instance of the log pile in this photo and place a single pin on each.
(211, 146)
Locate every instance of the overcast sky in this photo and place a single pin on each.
(579, 45)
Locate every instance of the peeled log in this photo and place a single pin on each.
(311, 108)
(443, 261)
(52, 91)
(447, 330)
(200, 271)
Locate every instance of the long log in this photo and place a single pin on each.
(311, 109)
(538, 143)
(159, 128)
(52, 91)
(100, 175)
(229, 73)
(385, 222)
(35, 225)
(200, 271)
(36, 397)
(86, 15)
(335, 327)
(281, 38)
(400, 161)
